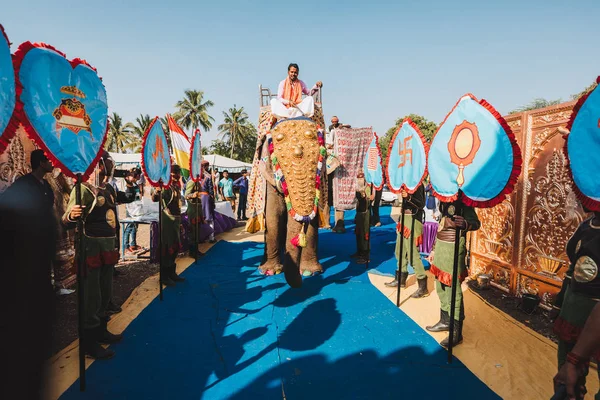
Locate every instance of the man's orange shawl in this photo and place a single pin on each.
(292, 91)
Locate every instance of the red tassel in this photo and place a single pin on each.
(295, 241)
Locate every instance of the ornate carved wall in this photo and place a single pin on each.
(522, 241)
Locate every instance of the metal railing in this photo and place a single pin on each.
(266, 96)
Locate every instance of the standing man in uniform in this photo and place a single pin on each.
(364, 196)
(413, 226)
(171, 225)
(98, 210)
(194, 213)
(442, 262)
(579, 295)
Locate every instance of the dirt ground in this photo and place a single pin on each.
(537, 321)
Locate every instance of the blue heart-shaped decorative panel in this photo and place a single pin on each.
(156, 159)
(475, 152)
(64, 107)
(407, 158)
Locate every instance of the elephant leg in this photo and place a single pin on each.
(291, 262)
(275, 219)
(309, 261)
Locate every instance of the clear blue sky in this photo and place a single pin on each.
(378, 60)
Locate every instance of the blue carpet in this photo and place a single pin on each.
(230, 333)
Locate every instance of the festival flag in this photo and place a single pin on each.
(373, 168)
(581, 147)
(8, 94)
(181, 146)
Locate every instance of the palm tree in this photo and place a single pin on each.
(536, 104)
(119, 134)
(135, 141)
(192, 111)
(235, 128)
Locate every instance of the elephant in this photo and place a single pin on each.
(291, 162)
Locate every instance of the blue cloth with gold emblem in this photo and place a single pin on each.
(196, 157)
(8, 93)
(64, 107)
(582, 147)
(373, 165)
(156, 159)
(474, 151)
(407, 158)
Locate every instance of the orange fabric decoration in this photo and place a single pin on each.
(292, 91)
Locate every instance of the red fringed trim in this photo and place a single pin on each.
(380, 163)
(578, 105)
(152, 183)
(586, 201)
(516, 169)
(103, 258)
(13, 123)
(387, 162)
(445, 277)
(18, 57)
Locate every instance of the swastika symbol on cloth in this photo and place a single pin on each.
(372, 160)
(405, 152)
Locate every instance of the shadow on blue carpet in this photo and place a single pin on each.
(230, 333)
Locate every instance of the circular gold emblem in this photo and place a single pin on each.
(451, 210)
(586, 270)
(101, 200)
(111, 218)
(578, 247)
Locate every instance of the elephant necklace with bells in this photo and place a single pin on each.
(296, 148)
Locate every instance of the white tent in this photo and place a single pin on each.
(222, 163)
(124, 160)
(133, 160)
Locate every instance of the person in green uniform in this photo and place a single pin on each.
(413, 226)
(98, 210)
(580, 292)
(364, 196)
(171, 224)
(195, 216)
(454, 215)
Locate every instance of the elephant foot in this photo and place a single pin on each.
(292, 273)
(311, 268)
(270, 268)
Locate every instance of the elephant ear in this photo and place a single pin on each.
(296, 154)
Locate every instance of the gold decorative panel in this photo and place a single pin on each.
(522, 240)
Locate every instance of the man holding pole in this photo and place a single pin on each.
(456, 218)
(194, 213)
(171, 223)
(98, 210)
(412, 236)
